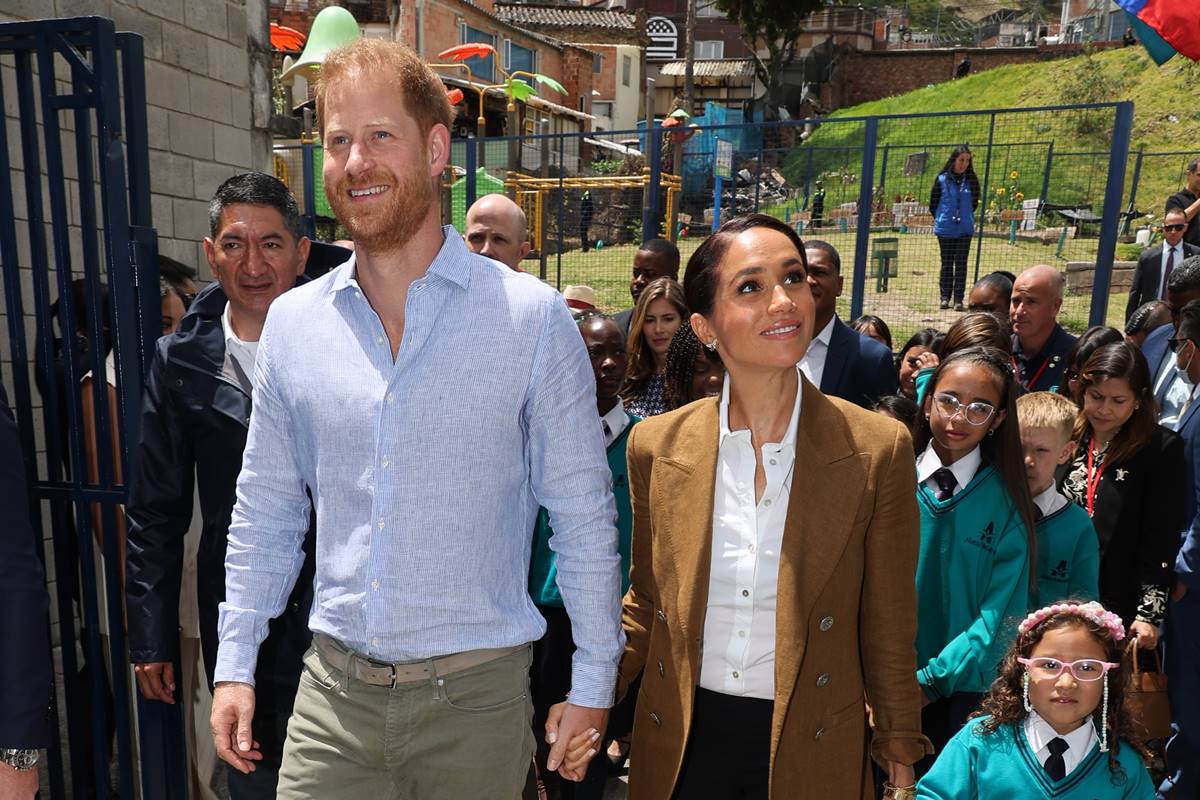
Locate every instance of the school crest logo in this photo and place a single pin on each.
(619, 482)
(1060, 572)
(985, 538)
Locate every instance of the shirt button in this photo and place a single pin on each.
(742, 634)
(375, 584)
(375, 642)
(820, 732)
(736, 674)
(751, 548)
(745, 592)
(384, 461)
(822, 679)
(766, 502)
(358, 294)
(380, 523)
(826, 623)
(772, 462)
(378, 340)
(391, 397)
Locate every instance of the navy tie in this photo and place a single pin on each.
(1056, 766)
(1162, 290)
(946, 482)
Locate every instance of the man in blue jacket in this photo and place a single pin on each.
(841, 362)
(196, 412)
(1171, 388)
(25, 677)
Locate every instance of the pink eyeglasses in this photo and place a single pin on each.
(1085, 669)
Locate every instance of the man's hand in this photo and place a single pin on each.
(573, 733)
(17, 784)
(233, 710)
(156, 680)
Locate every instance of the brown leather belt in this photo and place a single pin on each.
(387, 673)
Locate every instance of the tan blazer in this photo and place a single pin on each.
(846, 605)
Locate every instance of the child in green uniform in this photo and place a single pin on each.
(1053, 726)
(973, 572)
(1068, 552)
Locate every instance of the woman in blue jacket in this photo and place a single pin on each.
(953, 201)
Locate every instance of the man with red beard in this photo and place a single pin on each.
(376, 392)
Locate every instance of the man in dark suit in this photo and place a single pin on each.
(25, 677)
(1188, 201)
(841, 361)
(656, 258)
(1155, 264)
(1171, 389)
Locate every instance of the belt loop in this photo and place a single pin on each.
(437, 682)
(346, 670)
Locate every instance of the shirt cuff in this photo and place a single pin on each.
(592, 685)
(235, 662)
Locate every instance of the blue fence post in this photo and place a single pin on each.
(983, 195)
(654, 183)
(1137, 175)
(471, 166)
(310, 194)
(887, 149)
(1045, 195)
(808, 176)
(865, 209)
(1113, 189)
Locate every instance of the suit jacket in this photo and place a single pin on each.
(1187, 562)
(1148, 274)
(857, 368)
(623, 320)
(26, 680)
(846, 604)
(1155, 349)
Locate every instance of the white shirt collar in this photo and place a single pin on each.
(1079, 741)
(227, 328)
(616, 419)
(826, 333)
(1050, 500)
(789, 438)
(964, 469)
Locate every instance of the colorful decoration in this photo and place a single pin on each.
(1165, 27)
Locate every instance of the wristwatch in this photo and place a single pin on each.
(20, 760)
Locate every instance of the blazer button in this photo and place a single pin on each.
(660, 668)
(654, 718)
(826, 623)
(661, 616)
(822, 679)
(820, 732)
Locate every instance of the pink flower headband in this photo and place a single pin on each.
(1092, 611)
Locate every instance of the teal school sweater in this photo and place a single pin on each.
(1068, 556)
(1002, 766)
(543, 566)
(972, 584)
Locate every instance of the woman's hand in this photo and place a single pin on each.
(1145, 633)
(927, 360)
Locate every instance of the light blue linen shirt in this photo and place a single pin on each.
(427, 473)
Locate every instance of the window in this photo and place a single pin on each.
(712, 48)
(484, 68)
(708, 8)
(626, 69)
(602, 108)
(518, 57)
(597, 64)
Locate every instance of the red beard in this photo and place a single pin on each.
(386, 224)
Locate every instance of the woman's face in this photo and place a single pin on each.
(962, 162)
(762, 314)
(909, 370)
(662, 320)
(870, 332)
(708, 376)
(1108, 404)
(172, 312)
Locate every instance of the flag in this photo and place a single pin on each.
(1174, 23)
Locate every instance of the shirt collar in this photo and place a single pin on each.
(964, 469)
(1021, 354)
(1050, 500)
(453, 262)
(827, 332)
(789, 438)
(227, 329)
(617, 419)
(1079, 741)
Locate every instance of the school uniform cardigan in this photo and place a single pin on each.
(972, 584)
(1002, 766)
(1068, 557)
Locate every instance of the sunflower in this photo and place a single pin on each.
(1000, 190)
(1013, 175)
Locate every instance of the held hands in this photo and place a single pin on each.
(573, 733)
(233, 710)
(156, 680)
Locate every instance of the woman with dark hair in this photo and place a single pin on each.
(659, 312)
(973, 329)
(901, 409)
(1146, 318)
(927, 340)
(875, 328)
(774, 548)
(1092, 340)
(1128, 474)
(952, 202)
(693, 370)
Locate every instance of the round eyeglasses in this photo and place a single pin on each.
(976, 413)
(1085, 669)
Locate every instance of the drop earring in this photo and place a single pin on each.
(1025, 692)
(1104, 717)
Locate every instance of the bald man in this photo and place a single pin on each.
(1040, 344)
(497, 228)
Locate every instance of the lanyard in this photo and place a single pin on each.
(1033, 381)
(1092, 482)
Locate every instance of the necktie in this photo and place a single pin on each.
(946, 482)
(607, 430)
(1056, 766)
(1162, 290)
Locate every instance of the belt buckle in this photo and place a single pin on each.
(393, 668)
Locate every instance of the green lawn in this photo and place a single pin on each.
(911, 302)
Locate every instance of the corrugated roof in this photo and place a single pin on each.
(575, 17)
(711, 68)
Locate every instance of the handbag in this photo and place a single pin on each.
(1146, 697)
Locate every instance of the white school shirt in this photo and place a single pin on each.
(738, 651)
(1050, 501)
(1079, 741)
(614, 423)
(964, 469)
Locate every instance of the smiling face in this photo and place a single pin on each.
(763, 312)
(953, 436)
(1065, 702)
(909, 370)
(380, 167)
(1108, 404)
(254, 257)
(661, 322)
(1043, 449)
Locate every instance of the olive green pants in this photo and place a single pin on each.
(462, 736)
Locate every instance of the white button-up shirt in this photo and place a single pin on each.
(964, 469)
(1079, 741)
(813, 363)
(614, 423)
(738, 653)
(1050, 501)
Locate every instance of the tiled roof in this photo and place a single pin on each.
(711, 68)
(573, 17)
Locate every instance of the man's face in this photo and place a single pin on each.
(1193, 181)
(380, 166)
(496, 236)
(1034, 306)
(605, 345)
(826, 285)
(1177, 300)
(254, 257)
(1174, 226)
(648, 266)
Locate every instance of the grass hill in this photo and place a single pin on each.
(1166, 118)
